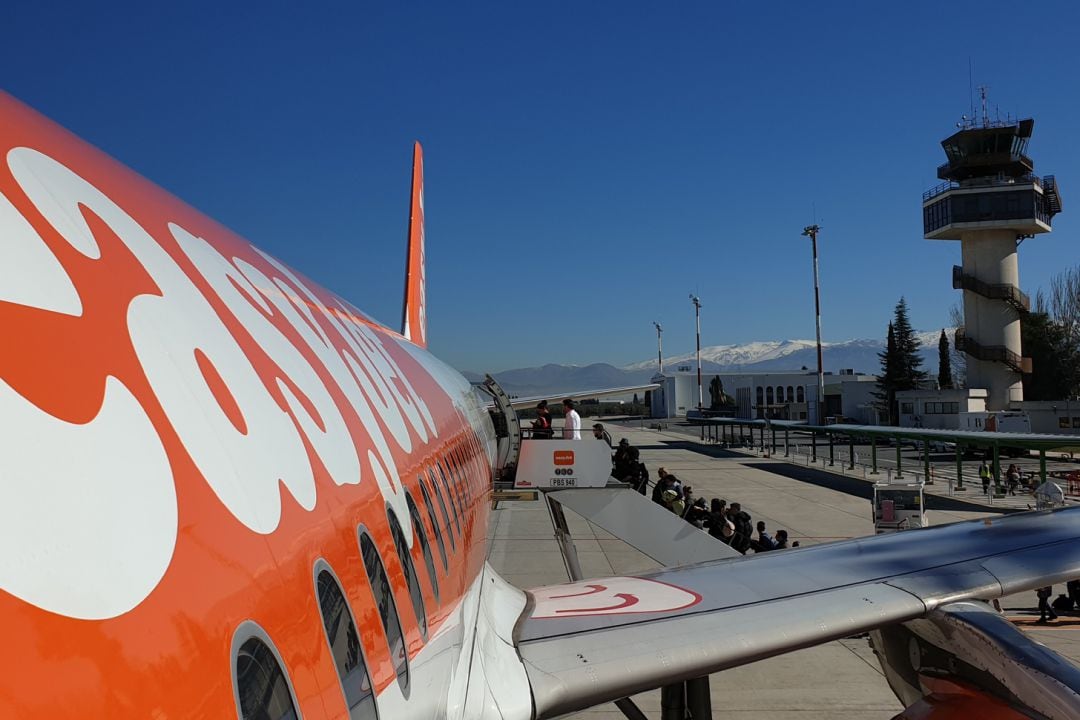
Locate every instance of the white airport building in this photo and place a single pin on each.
(778, 395)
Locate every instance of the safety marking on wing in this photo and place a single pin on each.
(610, 596)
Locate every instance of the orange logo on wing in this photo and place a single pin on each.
(564, 457)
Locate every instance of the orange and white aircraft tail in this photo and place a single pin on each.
(414, 309)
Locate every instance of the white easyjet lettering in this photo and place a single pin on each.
(333, 444)
(167, 331)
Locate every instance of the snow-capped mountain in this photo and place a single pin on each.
(762, 356)
(860, 355)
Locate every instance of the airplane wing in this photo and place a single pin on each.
(600, 640)
(528, 402)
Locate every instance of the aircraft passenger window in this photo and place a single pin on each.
(450, 495)
(434, 524)
(384, 599)
(442, 506)
(425, 549)
(261, 686)
(407, 567)
(459, 467)
(453, 471)
(345, 649)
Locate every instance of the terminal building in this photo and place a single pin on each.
(776, 395)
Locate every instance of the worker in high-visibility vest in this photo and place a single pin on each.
(985, 475)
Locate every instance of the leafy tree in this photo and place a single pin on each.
(944, 373)
(1055, 358)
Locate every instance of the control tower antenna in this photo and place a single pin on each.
(990, 198)
(659, 348)
(971, 88)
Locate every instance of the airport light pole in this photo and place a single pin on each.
(659, 347)
(697, 320)
(811, 231)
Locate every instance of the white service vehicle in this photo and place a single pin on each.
(1000, 421)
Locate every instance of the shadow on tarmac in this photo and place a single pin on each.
(713, 451)
(864, 489)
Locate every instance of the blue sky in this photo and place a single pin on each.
(588, 165)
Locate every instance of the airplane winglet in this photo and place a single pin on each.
(414, 309)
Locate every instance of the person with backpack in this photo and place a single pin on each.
(717, 523)
(541, 426)
(744, 528)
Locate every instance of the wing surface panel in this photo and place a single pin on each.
(599, 640)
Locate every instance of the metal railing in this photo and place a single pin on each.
(1003, 291)
(994, 181)
(991, 353)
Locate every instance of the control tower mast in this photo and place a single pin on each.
(990, 201)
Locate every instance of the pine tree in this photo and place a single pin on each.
(944, 373)
(910, 373)
(890, 366)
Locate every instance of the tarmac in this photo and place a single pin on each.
(837, 680)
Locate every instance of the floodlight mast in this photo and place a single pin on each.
(659, 348)
(697, 320)
(811, 231)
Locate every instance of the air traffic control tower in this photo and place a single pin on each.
(990, 201)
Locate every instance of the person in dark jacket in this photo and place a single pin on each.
(718, 524)
(1044, 594)
(626, 461)
(781, 540)
(764, 542)
(541, 426)
(697, 513)
(744, 528)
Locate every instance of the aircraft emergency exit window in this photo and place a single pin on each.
(261, 686)
(421, 535)
(345, 649)
(384, 599)
(407, 567)
(442, 506)
(434, 523)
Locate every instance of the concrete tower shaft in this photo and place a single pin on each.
(989, 200)
(990, 258)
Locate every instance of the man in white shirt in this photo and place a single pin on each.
(572, 421)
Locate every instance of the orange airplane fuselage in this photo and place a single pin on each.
(192, 431)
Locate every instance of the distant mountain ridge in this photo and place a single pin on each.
(761, 356)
